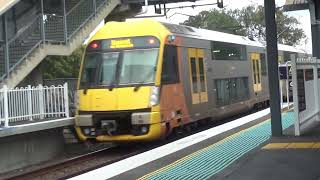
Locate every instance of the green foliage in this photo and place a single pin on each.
(53, 67)
(249, 22)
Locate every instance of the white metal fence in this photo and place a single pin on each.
(33, 103)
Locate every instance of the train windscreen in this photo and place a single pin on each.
(126, 67)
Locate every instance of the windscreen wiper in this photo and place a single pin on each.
(137, 86)
(85, 90)
(112, 84)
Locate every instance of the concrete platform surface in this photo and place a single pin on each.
(244, 152)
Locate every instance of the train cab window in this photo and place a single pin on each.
(170, 70)
(263, 64)
(90, 69)
(227, 51)
(108, 68)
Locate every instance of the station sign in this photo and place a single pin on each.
(284, 71)
(301, 90)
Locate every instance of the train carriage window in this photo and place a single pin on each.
(202, 75)
(231, 90)
(254, 73)
(1, 33)
(263, 64)
(228, 51)
(286, 56)
(223, 94)
(258, 70)
(170, 70)
(194, 74)
(280, 59)
(242, 88)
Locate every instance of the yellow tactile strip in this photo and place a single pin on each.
(294, 145)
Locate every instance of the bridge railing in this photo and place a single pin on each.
(24, 105)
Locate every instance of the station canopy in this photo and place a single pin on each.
(294, 5)
(7, 4)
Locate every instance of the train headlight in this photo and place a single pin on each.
(154, 98)
(144, 130)
(86, 131)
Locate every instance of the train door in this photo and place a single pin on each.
(256, 71)
(197, 76)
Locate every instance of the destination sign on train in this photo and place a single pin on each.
(121, 43)
(124, 43)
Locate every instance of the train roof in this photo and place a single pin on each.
(162, 29)
(221, 37)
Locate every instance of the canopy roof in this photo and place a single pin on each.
(294, 5)
(7, 4)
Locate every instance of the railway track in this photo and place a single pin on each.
(80, 164)
(102, 157)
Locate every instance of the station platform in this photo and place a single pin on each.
(34, 126)
(239, 150)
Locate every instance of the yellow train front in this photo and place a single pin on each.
(140, 80)
(119, 84)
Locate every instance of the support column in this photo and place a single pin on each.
(6, 43)
(315, 88)
(273, 74)
(315, 27)
(43, 36)
(65, 21)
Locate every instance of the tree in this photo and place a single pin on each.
(249, 22)
(54, 67)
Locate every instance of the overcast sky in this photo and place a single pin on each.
(173, 17)
(302, 16)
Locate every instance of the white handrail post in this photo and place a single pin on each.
(29, 102)
(287, 85)
(41, 101)
(281, 93)
(316, 92)
(6, 106)
(66, 99)
(295, 95)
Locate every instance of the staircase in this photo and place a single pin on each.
(53, 32)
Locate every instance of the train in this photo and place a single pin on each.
(139, 81)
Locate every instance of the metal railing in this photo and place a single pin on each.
(33, 103)
(51, 25)
(72, 90)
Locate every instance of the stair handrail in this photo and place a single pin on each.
(37, 43)
(86, 20)
(78, 4)
(25, 28)
(28, 52)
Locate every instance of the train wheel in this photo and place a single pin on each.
(203, 122)
(187, 128)
(178, 131)
(194, 125)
